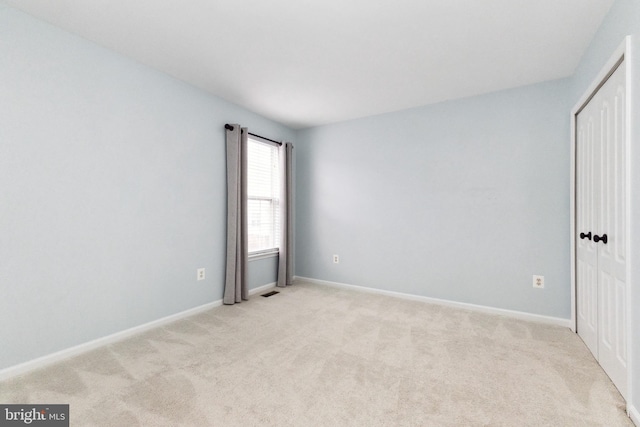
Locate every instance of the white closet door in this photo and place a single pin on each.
(588, 126)
(612, 280)
(601, 227)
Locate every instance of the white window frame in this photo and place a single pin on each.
(271, 252)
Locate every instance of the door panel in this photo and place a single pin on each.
(587, 258)
(601, 208)
(612, 213)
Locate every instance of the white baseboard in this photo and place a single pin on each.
(262, 288)
(479, 308)
(58, 356)
(634, 414)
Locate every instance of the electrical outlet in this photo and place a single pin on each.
(336, 259)
(200, 274)
(538, 282)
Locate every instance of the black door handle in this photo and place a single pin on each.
(597, 238)
(585, 236)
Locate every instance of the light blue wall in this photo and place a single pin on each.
(112, 184)
(623, 19)
(462, 201)
(262, 271)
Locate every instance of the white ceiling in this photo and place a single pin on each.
(311, 62)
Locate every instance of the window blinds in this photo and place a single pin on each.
(263, 194)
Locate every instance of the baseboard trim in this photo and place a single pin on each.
(634, 415)
(479, 308)
(58, 356)
(262, 288)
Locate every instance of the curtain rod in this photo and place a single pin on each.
(230, 127)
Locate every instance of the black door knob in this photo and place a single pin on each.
(597, 238)
(585, 236)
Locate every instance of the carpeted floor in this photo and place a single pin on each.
(320, 356)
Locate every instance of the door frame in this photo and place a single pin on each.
(623, 52)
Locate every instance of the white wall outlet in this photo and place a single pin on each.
(538, 282)
(200, 274)
(336, 259)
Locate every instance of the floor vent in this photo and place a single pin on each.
(268, 294)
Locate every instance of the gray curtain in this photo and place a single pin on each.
(235, 288)
(285, 262)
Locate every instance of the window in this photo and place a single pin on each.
(263, 194)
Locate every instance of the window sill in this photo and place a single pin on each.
(263, 255)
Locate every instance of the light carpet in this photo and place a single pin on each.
(321, 356)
